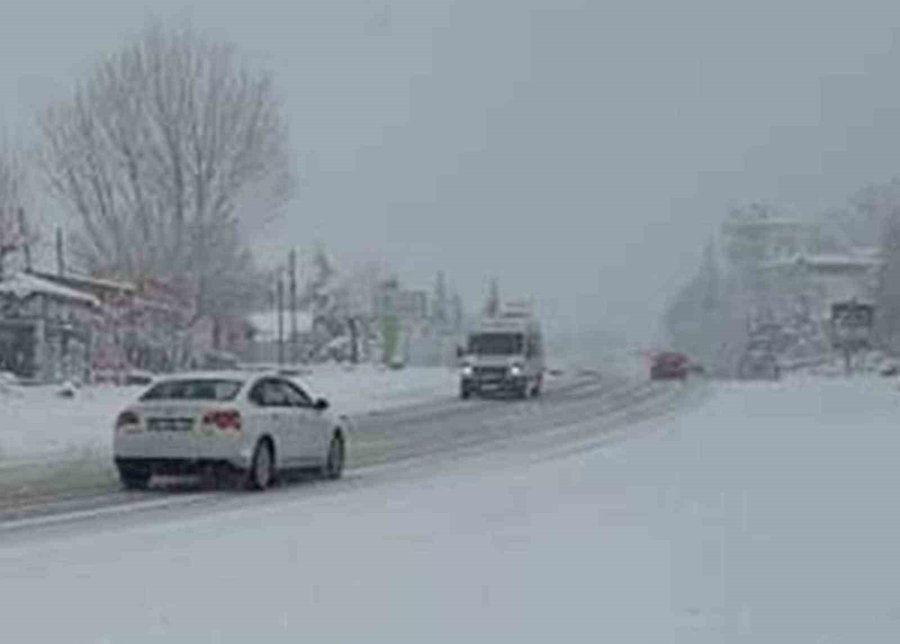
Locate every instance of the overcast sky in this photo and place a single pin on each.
(581, 152)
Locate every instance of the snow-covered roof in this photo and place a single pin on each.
(866, 251)
(826, 261)
(22, 285)
(210, 374)
(266, 323)
(79, 280)
(765, 222)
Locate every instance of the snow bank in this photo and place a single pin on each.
(766, 515)
(38, 423)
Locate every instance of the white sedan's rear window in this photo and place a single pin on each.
(194, 389)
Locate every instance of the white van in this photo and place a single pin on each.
(504, 354)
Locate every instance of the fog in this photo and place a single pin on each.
(580, 152)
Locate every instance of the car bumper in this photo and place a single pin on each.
(509, 383)
(151, 447)
(174, 466)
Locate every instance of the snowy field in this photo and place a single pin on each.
(38, 425)
(765, 515)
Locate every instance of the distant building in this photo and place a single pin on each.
(56, 326)
(263, 335)
(751, 238)
(141, 326)
(47, 330)
(780, 286)
(822, 280)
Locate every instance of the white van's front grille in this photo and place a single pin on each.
(490, 373)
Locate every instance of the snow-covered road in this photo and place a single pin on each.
(764, 514)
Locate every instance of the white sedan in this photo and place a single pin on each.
(256, 425)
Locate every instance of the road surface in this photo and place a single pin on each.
(572, 409)
(720, 512)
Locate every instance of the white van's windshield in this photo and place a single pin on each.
(495, 344)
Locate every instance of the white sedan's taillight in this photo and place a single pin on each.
(128, 422)
(225, 420)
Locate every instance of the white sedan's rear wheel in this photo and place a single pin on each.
(262, 468)
(134, 479)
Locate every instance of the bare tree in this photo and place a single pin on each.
(165, 153)
(12, 200)
(883, 205)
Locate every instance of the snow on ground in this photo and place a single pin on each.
(766, 515)
(37, 424)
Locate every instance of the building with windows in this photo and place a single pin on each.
(70, 326)
(821, 280)
(47, 330)
(752, 239)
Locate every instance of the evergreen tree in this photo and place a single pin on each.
(440, 315)
(458, 313)
(888, 297)
(709, 274)
(701, 319)
(492, 305)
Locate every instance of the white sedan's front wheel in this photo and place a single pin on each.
(262, 468)
(334, 463)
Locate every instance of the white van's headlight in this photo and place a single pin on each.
(467, 370)
(515, 370)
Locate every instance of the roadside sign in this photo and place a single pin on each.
(851, 324)
(851, 328)
(406, 306)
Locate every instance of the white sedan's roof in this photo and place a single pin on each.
(231, 374)
(224, 374)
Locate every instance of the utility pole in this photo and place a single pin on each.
(26, 244)
(6, 247)
(354, 339)
(292, 287)
(279, 296)
(60, 256)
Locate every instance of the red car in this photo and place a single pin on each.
(670, 366)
